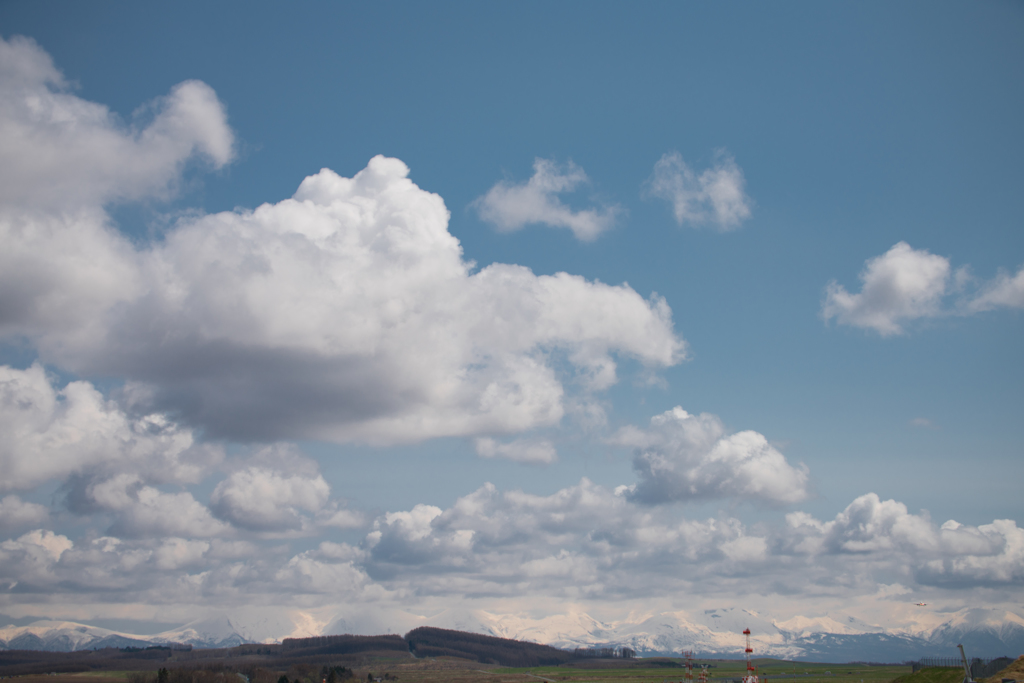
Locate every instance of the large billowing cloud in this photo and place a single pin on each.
(715, 196)
(52, 433)
(61, 159)
(120, 465)
(347, 312)
(343, 313)
(273, 491)
(883, 538)
(691, 457)
(511, 207)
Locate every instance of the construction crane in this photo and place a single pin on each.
(967, 667)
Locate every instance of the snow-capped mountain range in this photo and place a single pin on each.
(712, 632)
(719, 632)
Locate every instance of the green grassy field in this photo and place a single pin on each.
(661, 670)
(767, 669)
(84, 677)
(933, 676)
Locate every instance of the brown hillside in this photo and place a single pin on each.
(1015, 671)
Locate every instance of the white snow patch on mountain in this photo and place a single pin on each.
(844, 625)
(78, 635)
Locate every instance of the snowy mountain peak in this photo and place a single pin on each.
(64, 636)
(805, 626)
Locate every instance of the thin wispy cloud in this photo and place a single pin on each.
(512, 206)
(715, 196)
(529, 451)
(1005, 291)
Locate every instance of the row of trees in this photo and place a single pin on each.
(604, 652)
(260, 663)
(439, 642)
(341, 645)
(219, 673)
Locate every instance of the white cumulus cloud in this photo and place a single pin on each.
(277, 490)
(58, 150)
(685, 457)
(715, 196)
(906, 284)
(30, 559)
(584, 541)
(149, 512)
(343, 313)
(60, 273)
(347, 313)
(511, 206)
(875, 537)
(17, 513)
(900, 285)
(263, 499)
(52, 433)
(335, 514)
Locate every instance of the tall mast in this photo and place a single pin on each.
(751, 676)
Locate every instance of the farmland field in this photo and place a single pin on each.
(634, 671)
(659, 670)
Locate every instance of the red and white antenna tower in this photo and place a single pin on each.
(751, 676)
(688, 656)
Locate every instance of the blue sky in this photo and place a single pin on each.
(840, 130)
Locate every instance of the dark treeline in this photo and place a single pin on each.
(220, 673)
(311, 653)
(341, 645)
(439, 642)
(22, 662)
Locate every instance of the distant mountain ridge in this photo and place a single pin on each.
(69, 636)
(718, 633)
(710, 633)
